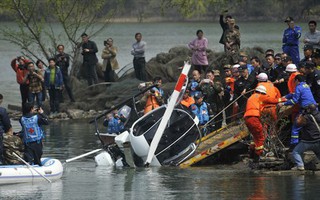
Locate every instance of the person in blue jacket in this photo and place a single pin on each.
(114, 122)
(302, 96)
(54, 84)
(200, 109)
(32, 133)
(290, 40)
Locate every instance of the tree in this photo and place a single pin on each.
(36, 34)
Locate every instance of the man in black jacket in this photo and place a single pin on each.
(309, 137)
(90, 60)
(313, 79)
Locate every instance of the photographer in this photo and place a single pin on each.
(154, 96)
(110, 63)
(63, 61)
(18, 65)
(35, 80)
(32, 133)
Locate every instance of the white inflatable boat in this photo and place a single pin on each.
(51, 169)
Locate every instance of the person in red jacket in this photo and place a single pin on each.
(253, 113)
(18, 65)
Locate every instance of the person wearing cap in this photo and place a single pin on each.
(303, 97)
(312, 37)
(187, 100)
(110, 63)
(232, 42)
(290, 40)
(199, 52)
(313, 79)
(235, 72)
(200, 109)
(291, 69)
(241, 86)
(281, 76)
(244, 61)
(252, 116)
(90, 60)
(18, 65)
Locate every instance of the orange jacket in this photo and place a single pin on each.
(291, 84)
(187, 102)
(256, 103)
(20, 73)
(230, 82)
(272, 91)
(152, 102)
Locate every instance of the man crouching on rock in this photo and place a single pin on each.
(33, 133)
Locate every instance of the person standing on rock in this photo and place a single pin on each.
(54, 83)
(90, 60)
(199, 55)
(110, 62)
(139, 62)
(5, 127)
(63, 61)
(290, 40)
(18, 65)
(232, 42)
(42, 70)
(224, 25)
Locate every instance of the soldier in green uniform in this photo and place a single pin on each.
(12, 144)
(232, 42)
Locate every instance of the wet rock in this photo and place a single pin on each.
(75, 113)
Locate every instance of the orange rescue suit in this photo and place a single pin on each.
(291, 84)
(152, 101)
(187, 102)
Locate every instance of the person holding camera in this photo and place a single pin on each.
(63, 61)
(32, 133)
(18, 65)
(154, 96)
(110, 63)
(35, 80)
(90, 60)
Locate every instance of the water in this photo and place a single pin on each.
(83, 180)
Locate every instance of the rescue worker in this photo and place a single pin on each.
(252, 116)
(5, 127)
(200, 109)
(12, 143)
(32, 133)
(309, 137)
(187, 100)
(303, 97)
(291, 69)
(194, 85)
(154, 96)
(273, 92)
(290, 40)
(313, 80)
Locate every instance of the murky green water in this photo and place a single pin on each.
(83, 180)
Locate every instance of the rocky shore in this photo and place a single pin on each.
(93, 100)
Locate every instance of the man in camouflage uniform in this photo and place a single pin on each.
(232, 42)
(12, 144)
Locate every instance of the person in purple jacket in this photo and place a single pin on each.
(199, 55)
